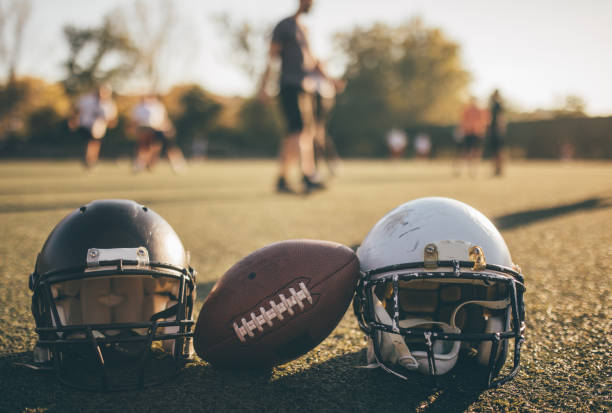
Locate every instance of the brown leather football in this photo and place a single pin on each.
(276, 304)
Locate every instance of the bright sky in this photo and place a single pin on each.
(535, 51)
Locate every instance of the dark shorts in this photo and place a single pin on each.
(85, 134)
(472, 141)
(289, 99)
(496, 143)
(153, 135)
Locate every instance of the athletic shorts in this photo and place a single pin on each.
(472, 141)
(289, 99)
(496, 143)
(150, 134)
(85, 133)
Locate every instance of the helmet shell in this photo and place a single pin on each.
(109, 223)
(401, 235)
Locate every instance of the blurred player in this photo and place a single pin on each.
(422, 146)
(154, 131)
(396, 142)
(93, 114)
(458, 138)
(474, 126)
(324, 101)
(290, 45)
(496, 131)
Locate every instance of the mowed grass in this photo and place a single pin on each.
(555, 217)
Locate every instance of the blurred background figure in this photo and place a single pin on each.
(93, 114)
(397, 140)
(496, 132)
(567, 151)
(422, 146)
(473, 126)
(155, 132)
(199, 148)
(290, 44)
(324, 101)
(458, 138)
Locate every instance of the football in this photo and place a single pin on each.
(276, 304)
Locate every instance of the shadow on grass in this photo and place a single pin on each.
(187, 198)
(522, 218)
(334, 385)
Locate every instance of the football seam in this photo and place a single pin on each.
(250, 320)
(339, 269)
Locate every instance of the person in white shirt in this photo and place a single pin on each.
(422, 145)
(93, 114)
(396, 142)
(154, 131)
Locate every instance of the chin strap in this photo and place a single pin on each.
(495, 324)
(493, 305)
(394, 351)
(393, 348)
(445, 358)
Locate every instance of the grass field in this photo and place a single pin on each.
(556, 219)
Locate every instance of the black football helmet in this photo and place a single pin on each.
(113, 297)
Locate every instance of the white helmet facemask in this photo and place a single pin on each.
(395, 351)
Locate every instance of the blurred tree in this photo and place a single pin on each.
(247, 44)
(14, 17)
(261, 126)
(157, 32)
(150, 34)
(573, 107)
(40, 106)
(97, 55)
(194, 115)
(396, 77)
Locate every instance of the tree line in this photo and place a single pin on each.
(408, 76)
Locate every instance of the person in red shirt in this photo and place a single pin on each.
(474, 121)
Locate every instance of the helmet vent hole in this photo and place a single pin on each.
(82, 209)
(251, 276)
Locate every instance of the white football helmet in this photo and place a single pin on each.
(438, 281)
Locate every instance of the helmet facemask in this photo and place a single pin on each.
(121, 322)
(422, 316)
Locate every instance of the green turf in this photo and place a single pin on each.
(556, 219)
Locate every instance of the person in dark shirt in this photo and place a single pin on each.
(496, 131)
(290, 44)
